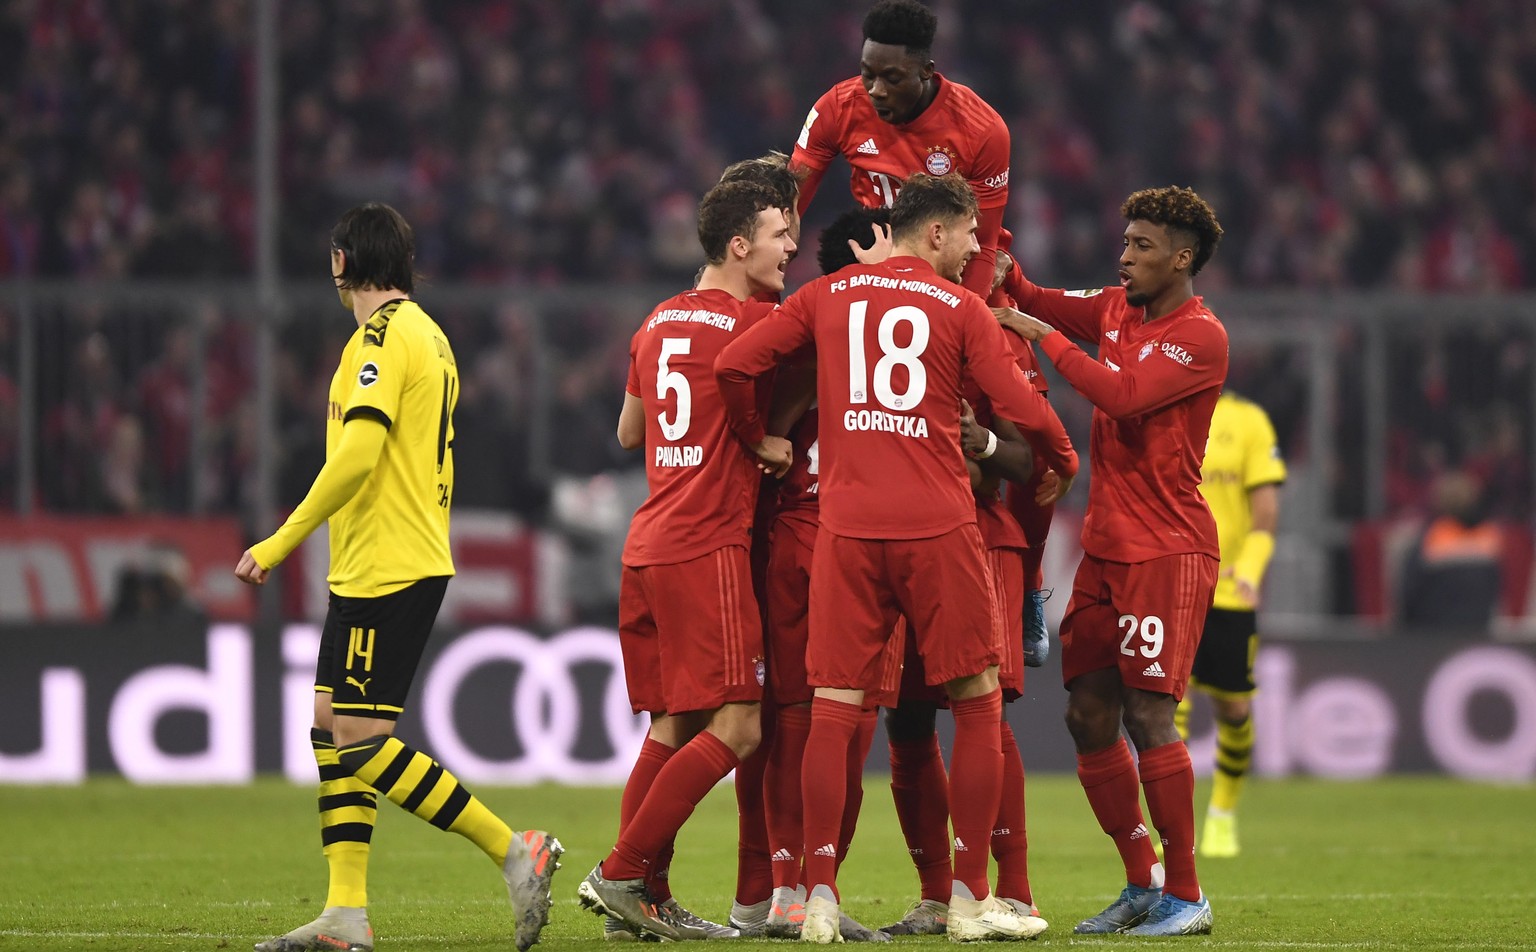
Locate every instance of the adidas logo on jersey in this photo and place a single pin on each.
(868, 147)
(782, 855)
(1153, 670)
(1113, 335)
(1139, 832)
(827, 849)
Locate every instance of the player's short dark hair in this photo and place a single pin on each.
(902, 23)
(771, 170)
(925, 198)
(1179, 210)
(730, 209)
(379, 246)
(856, 224)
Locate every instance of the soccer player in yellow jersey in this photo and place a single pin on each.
(1240, 480)
(385, 490)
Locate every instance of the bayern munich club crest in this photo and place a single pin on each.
(939, 162)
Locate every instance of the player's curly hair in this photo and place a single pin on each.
(902, 23)
(856, 224)
(771, 170)
(1181, 210)
(925, 198)
(730, 209)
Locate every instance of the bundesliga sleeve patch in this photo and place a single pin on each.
(368, 374)
(805, 130)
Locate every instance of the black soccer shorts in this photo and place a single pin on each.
(370, 648)
(1224, 661)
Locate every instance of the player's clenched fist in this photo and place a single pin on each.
(249, 571)
(774, 454)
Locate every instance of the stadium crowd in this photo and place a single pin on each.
(1363, 146)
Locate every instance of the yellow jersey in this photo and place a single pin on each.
(1241, 454)
(397, 369)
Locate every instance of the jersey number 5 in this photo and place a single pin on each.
(668, 380)
(891, 357)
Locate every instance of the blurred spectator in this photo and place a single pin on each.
(1451, 580)
(154, 588)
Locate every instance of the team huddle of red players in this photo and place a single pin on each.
(890, 558)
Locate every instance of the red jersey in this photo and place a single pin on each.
(891, 340)
(1153, 389)
(799, 501)
(703, 481)
(999, 529)
(958, 132)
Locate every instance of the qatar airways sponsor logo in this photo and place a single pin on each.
(878, 421)
(1178, 354)
(679, 455)
(1000, 180)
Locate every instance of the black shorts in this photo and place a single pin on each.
(1224, 661)
(370, 647)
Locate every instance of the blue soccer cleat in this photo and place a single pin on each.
(1037, 639)
(1132, 907)
(1175, 916)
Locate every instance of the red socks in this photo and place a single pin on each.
(754, 873)
(1010, 846)
(920, 788)
(1109, 779)
(1169, 780)
(824, 786)
(858, 754)
(677, 789)
(781, 794)
(653, 756)
(975, 780)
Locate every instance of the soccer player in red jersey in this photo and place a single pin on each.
(1150, 548)
(898, 523)
(900, 116)
(689, 626)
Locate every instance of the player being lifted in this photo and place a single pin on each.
(1240, 479)
(898, 522)
(689, 626)
(1149, 542)
(385, 489)
(900, 116)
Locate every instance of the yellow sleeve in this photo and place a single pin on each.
(344, 472)
(383, 368)
(1262, 463)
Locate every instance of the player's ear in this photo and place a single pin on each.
(740, 246)
(936, 233)
(1183, 258)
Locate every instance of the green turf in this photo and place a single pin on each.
(1392, 864)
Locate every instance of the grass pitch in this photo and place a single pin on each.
(1392, 864)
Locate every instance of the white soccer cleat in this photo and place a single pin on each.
(332, 930)
(823, 921)
(989, 920)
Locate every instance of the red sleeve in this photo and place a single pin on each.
(632, 386)
(1078, 314)
(991, 365)
(989, 175)
(982, 267)
(817, 146)
(750, 356)
(1191, 359)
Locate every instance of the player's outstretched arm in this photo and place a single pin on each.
(344, 472)
(1075, 313)
(1013, 398)
(1194, 360)
(763, 347)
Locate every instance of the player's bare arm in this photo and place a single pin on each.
(632, 423)
(1026, 326)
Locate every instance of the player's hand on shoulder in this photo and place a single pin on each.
(877, 252)
(1027, 327)
(1052, 487)
(249, 571)
(774, 455)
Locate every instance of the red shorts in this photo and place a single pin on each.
(859, 587)
(1144, 618)
(1005, 568)
(691, 634)
(787, 592)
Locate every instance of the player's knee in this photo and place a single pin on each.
(1234, 712)
(1092, 726)
(739, 727)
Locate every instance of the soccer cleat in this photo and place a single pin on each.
(822, 921)
(750, 920)
(1218, 839)
(786, 913)
(925, 917)
(1128, 910)
(989, 920)
(1021, 907)
(855, 931)
(614, 930)
(1037, 639)
(626, 900)
(1175, 916)
(690, 926)
(528, 871)
(329, 931)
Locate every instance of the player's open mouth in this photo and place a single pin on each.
(884, 112)
(1125, 279)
